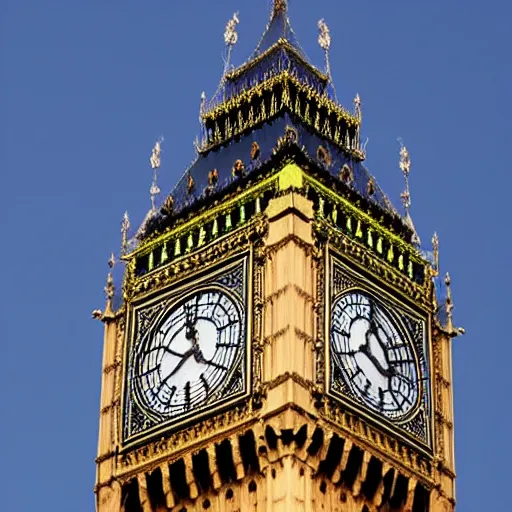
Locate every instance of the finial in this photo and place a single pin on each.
(203, 104)
(230, 37)
(324, 40)
(155, 165)
(357, 106)
(109, 290)
(359, 114)
(324, 36)
(435, 249)
(125, 227)
(452, 331)
(405, 196)
(279, 6)
(405, 166)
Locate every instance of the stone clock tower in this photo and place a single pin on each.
(279, 345)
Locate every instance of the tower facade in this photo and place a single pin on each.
(279, 345)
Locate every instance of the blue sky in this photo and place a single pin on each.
(86, 87)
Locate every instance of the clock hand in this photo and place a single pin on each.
(366, 350)
(198, 353)
(186, 356)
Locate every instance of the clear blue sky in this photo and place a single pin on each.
(85, 89)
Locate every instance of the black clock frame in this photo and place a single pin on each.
(341, 275)
(139, 424)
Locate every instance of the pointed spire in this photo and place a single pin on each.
(125, 227)
(230, 38)
(452, 331)
(279, 7)
(435, 250)
(324, 40)
(154, 160)
(108, 313)
(405, 166)
(359, 114)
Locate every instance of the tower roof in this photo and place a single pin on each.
(279, 27)
(276, 95)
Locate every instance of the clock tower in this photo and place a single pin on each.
(279, 341)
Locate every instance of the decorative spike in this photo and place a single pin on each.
(324, 40)
(357, 107)
(279, 6)
(230, 38)
(449, 310)
(435, 247)
(125, 227)
(109, 290)
(155, 161)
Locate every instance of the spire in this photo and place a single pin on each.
(230, 38)
(405, 167)
(278, 28)
(279, 7)
(435, 249)
(108, 313)
(155, 165)
(452, 331)
(125, 227)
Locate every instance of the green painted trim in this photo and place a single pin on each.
(359, 215)
(210, 215)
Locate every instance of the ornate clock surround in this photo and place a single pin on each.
(342, 277)
(233, 276)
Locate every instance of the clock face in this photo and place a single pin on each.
(374, 359)
(190, 354)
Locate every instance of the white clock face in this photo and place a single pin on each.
(190, 355)
(374, 359)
